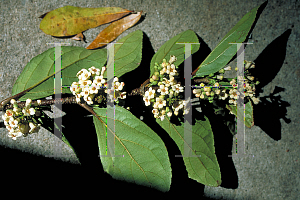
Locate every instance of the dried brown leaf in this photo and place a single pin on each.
(114, 30)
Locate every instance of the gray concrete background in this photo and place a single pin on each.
(273, 172)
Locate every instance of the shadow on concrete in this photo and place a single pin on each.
(267, 114)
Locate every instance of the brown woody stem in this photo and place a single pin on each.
(72, 100)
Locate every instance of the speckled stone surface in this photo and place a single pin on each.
(271, 172)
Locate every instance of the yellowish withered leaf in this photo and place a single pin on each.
(114, 30)
(70, 20)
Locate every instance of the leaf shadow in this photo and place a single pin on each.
(81, 134)
(267, 114)
(223, 145)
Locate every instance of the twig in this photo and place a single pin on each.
(72, 100)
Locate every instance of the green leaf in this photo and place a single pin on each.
(48, 122)
(128, 55)
(171, 48)
(204, 169)
(224, 51)
(39, 74)
(145, 160)
(248, 120)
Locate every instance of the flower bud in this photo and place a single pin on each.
(167, 109)
(257, 82)
(28, 102)
(247, 64)
(151, 80)
(220, 77)
(228, 68)
(12, 101)
(221, 71)
(212, 74)
(162, 96)
(251, 78)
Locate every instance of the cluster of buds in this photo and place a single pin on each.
(21, 122)
(231, 95)
(90, 82)
(167, 95)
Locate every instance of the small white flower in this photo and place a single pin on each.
(14, 134)
(85, 92)
(233, 93)
(223, 95)
(186, 111)
(163, 90)
(217, 91)
(171, 93)
(118, 86)
(9, 113)
(169, 114)
(220, 77)
(155, 111)
(123, 95)
(33, 127)
(172, 70)
(28, 111)
(94, 89)
(164, 64)
(177, 88)
(12, 101)
(84, 76)
(176, 112)
(150, 93)
(28, 102)
(74, 87)
(162, 117)
(89, 99)
(78, 96)
(207, 89)
(85, 84)
(227, 68)
(216, 85)
(81, 72)
(98, 80)
(161, 103)
(172, 59)
(116, 79)
(167, 82)
(39, 102)
(232, 82)
(232, 101)
(13, 122)
(103, 70)
(202, 96)
(255, 100)
(94, 71)
(9, 127)
(251, 78)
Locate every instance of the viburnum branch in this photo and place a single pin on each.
(44, 102)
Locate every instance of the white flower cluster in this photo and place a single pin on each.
(168, 90)
(89, 84)
(208, 92)
(20, 121)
